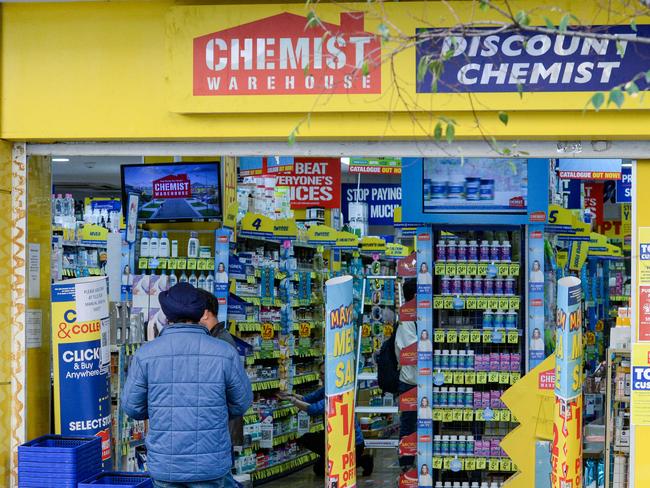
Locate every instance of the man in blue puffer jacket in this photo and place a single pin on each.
(187, 384)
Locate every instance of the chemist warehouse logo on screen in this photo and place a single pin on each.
(67, 328)
(279, 55)
(508, 62)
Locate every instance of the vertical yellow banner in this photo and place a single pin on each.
(566, 451)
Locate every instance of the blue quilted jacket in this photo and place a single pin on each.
(187, 384)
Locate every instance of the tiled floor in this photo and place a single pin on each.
(385, 475)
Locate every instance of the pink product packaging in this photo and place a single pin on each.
(495, 361)
(478, 400)
(504, 362)
(482, 448)
(515, 361)
(495, 399)
(495, 449)
(485, 399)
(482, 362)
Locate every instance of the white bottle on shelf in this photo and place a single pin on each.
(201, 281)
(163, 246)
(144, 245)
(193, 246)
(153, 244)
(174, 249)
(183, 278)
(193, 280)
(172, 279)
(209, 283)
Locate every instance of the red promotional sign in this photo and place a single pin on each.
(409, 356)
(172, 186)
(406, 266)
(408, 312)
(408, 401)
(644, 313)
(279, 55)
(594, 200)
(409, 479)
(546, 380)
(313, 182)
(408, 445)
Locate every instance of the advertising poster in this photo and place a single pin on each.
(424, 244)
(81, 359)
(340, 380)
(376, 166)
(566, 447)
(313, 182)
(221, 267)
(643, 277)
(568, 333)
(624, 186)
(175, 192)
(590, 169)
(593, 200)
(455, 185)
(381, 199)
(536, 330)
(640, 390)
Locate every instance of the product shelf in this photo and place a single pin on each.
(475, 268)
(456, 377)
(475, 336)
(491, 464)
(476, 302)
(265, 385)
(283, 468)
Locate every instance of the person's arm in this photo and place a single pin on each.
(239, 392)
(134, 394)
(316, 408)
(314, 396)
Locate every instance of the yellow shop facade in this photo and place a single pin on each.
(150, 79)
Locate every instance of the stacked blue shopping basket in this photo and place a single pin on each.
(125, 480)
(54, 461)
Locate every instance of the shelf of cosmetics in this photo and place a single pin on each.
(64, 218)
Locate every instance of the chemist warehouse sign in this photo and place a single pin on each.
(536, 62)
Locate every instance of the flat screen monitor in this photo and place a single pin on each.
(174, 192)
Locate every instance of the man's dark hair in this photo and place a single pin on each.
(211, 303)
(409, 289)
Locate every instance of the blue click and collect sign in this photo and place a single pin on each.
(511, 62)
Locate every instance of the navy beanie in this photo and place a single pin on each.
(183, 302)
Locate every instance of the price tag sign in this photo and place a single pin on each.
(493, 302)
(203, 264)
(481, 463)
(481, 303)
(514, 303)
(505, 415)
(267, 331)
(504, 303)
(440, 269)
(496, 416)
(463, 336)
(481, 378)
(472, 269)
(439, 335)
(143, 263)
(513, 337)
(482, 269)
(470, 378)
(304, 329)
(461, 269)
(494, 465)
(438, 303)
(447, 463)
(514, 377)
(449, 303)
(191, 263)
(514, 269)
(449, 377)
(470, 303)
(478, 415)
(153, 263)
(447, 415)
(468, 415)
(459, 378)
(181, 263)
(171, 263)
(505, 464)
(504, 378)
(487, 337)
(450, 270)
(470, 464)
(493, 376)
(502, 269)
(457, 415)
(437, 415)
(162, 263)
(251, 280)
(452, 337)
(437, 463)
(210, 266)
(475, 336)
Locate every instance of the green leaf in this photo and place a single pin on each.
(620, 48)
(291, 140)
(437, 132)
(312, 19)
(507, 152)
(522, 18)
(647, 76)
(631, 88)
(520, 90)
(503, 117)
(484, 5)
(617, 97)
(633, 25)
(597, 100)
(364, 68)
(450, 133)
(549, 23)
(305, 69)
(423, 67)
(564, 23)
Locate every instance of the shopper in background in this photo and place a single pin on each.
(314, 405)
(187, 384)
(406, 335)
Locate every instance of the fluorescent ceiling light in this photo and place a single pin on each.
(60, 160)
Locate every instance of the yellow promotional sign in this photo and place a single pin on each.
(91, 233)
(566, 223)
(562, 258)
(230, 217)
(347, 240)
(578, 254)
(626, 225)
(566, 449)
(396, 250)
(285, 229)
(644, 256)
(322, 235)
(372, 244)
(598, 246)
(640, 386)
(256, 225)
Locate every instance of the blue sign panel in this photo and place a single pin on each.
(624, 186)
(382, 199)
(511, 62)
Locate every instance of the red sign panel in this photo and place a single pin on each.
(172, 186)
(546, 380)
(408, 401)
(280, 55)
(409, 356)
(408, 445)
(594, 200)
(408, 312)
(644, 313)
(406, 266)
(313, 182)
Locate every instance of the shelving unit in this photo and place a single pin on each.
(617, 419)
